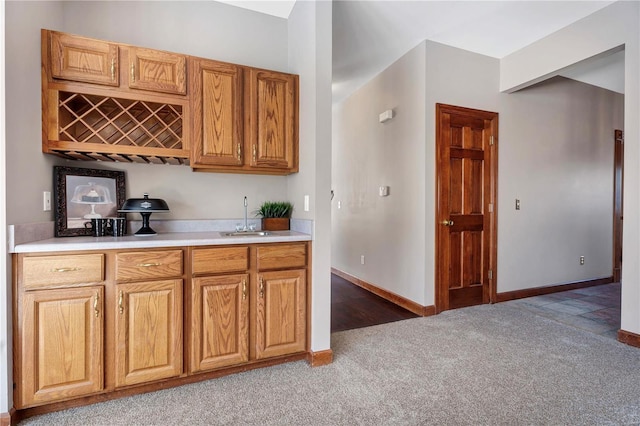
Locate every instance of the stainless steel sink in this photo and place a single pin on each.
(246, 234)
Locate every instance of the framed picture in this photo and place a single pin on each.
(83, 194)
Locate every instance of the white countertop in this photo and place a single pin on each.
(171, 239)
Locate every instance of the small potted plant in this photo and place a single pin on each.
(275, 215)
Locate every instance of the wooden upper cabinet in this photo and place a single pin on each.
(61, 353)
(272, 126)
(216, 99)
(157, 71)
(83, 59)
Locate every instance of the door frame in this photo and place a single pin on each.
(618, 184)
(441, 288)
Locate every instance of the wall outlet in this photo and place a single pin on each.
(362, 259)
(46, 201)
(582, 260)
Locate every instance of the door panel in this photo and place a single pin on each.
(62, 353)
(149, 331)
(465, 238)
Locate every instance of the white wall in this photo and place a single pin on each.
(310, 57)
(207, 29)
(29, 171)
(454, 77)
(5, 292)
(615, 25)
(556, 156)
(388, 231)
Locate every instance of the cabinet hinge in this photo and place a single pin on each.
(490, 274)
(491, 140)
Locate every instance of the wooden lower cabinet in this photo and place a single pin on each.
(91, 323)
(220, 329)
(281, 313)
(61, 344)
(149, 331)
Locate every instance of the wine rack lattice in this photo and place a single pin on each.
(144, 128)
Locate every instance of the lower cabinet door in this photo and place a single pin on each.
(220, 331)
(148, 331)
(61, 345)
(281, 312)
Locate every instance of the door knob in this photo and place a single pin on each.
(447, 222)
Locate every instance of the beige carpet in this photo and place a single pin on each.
(491, 364)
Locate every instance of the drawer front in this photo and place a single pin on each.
(139, 265)
(220, 260)
(52, 271)
(282, 256)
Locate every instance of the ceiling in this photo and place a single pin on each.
(370, 35)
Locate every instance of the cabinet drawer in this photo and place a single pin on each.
(282, 256)
(220, 260)
(51, 271)
(131, 266)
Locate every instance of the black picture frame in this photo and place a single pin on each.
(71, 214)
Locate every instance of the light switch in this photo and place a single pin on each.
(306, 203)
(517, 204)
(46, 201)
(383, 191)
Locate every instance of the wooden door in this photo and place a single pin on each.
(281, 307)
(272, 122)
(157, 71)
(220, 322)
(148, 331)
(61, 344)
(617, 204)
(466, 144)
(83, 59)
(217, 113)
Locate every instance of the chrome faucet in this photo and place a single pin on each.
(246, 227)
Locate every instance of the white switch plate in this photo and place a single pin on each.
(306, 203)
(46, 201)
(362, 259)
(339, 204)
(383, 191)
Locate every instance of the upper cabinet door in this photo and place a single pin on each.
(216, 97)
(157, 71)
(83, 59)
(272, 125)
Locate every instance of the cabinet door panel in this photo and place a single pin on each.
(220, 322)
(217, 107)
(83, 59)
(61, 344)
(149, 331)
(281, 307)
(157, 71)
(273, 119)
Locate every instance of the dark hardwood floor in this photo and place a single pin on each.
(354, 307)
